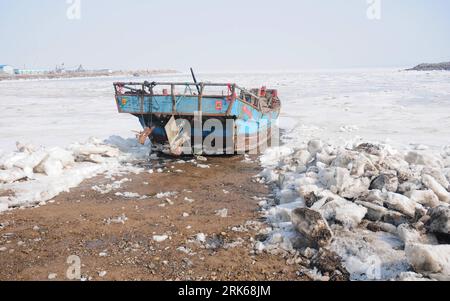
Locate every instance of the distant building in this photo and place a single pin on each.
(6, 69)
(30, 71)
(80, 69)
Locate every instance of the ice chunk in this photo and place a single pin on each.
(362, 166)
(417, 158)
(429, 260)
(325, 158)
(25, 147)
(279, 214)
(411, 276)
(46, 188)
(381, 226)
(204, 166)
(128, 195)
(259, 247)
(398, 164)
(163, 195)
(272, 155)
(447, 173)
(370, 256)
(410, 185)
(200, 237)
(315, 146)
(339, 181)
(106, 188)
(3, 206)
(348, 213)
(269, 175)
(130, 147)
(401, 203)
(374, 211)
(375, 196)
(12, 175)
(160, 238)
(438, 175)
(424, 197)
(408, 234)
(51, 167)
(7, 161)
(344, 158)
(222, 213)
(441, 192)
(32, 160)
(58, 154)
(439, 220)
(385, 182)
(302, 156)
(91, 149)
(306, 190)
(287, 196)
(311, 225)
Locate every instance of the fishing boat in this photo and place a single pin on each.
(201, 118)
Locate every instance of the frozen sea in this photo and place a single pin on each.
(397, 107)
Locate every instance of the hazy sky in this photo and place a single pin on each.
(216, 35)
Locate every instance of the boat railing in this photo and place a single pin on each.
(121, 87)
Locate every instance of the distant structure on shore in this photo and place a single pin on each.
(431, 67)
(30, 71)
(77, 69)
(8, 72)
(6, 69)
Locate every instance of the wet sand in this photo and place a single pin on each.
(36, 242)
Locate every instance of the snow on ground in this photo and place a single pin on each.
(33, 175)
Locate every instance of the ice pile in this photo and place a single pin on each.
(33, 175)
(384, 212)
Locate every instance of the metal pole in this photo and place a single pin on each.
(195, 80)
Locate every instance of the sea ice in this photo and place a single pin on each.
(50, 172)
(223, 213)
(441, 192)
(3, 207)
(358, 181)
(347, 213)
(429, 260)
(401, 203)
(160, 238)
(128, 195)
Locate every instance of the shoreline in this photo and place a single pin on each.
(75, 75)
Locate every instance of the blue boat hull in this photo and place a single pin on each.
(241, 120)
